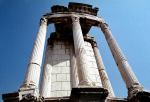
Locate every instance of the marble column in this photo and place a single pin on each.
(33, 73)
(128, 76)
(45, 89)
(80, 53)
(101, 68)
(74, 72)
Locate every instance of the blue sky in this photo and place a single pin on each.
(129, 21)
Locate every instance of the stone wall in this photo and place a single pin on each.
(92, 65)
(59, 57)
(60, 76)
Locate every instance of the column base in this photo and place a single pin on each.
(81, 94)
(23, 95)
(142, 96)
(84, 84)
(88, 94)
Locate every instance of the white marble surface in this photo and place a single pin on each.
(34, 67)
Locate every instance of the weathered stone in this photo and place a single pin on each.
(101, 68)
(71, 65)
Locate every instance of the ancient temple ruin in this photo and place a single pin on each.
(73, 69)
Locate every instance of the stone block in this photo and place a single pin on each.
(93, 78)
(92, 59)
(61, 51)
(61, 93)
(66, 86)
(93, 71)
(56, 57)
(66, 56)
(68, 93)
(68, 63)
(54, 52)
(88, 53)
(55, 62)
(89, 63)
(92, 54)
(63, 63)
(63, 46)
(49, 50)
(94, 63)
(60, 64)
(60, 43)
(49, 58)
(88, 48)
(56, 69)
(98, 84)
(53, 94)
(98, 78)
(67, 51)
(66, 43)
(53, 79)
(56, 86)
(67, 46)
(65, 70)
(96, 71)
(57, 47)
(68, 77)
(61, 77)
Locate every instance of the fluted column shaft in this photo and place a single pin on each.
(128, 76)
(74, 72)
(80, 52)
(34, 66)
(45, 90)
(101, 68)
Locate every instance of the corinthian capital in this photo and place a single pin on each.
(103, 25)
(75, 19)
(43, 21)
